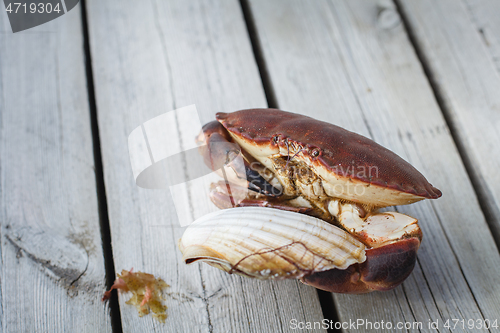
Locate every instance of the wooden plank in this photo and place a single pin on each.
(459, 41)
(52, 271)
(351, 63)
(148, 60)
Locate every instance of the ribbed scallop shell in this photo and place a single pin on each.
(269, 243)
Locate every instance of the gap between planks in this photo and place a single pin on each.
(253, 34)
(116, 323)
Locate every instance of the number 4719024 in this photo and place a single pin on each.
(18, 7)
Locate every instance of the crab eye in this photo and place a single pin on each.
(275, 139)
(315, 153)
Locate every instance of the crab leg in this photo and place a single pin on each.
(218, 151)
(374, 229)
(240, 197)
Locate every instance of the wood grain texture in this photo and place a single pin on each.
(52, 270)
(460, 43)
(351, 63)
(149, 59)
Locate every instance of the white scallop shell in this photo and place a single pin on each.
(269, 243)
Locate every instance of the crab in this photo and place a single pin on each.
(306, 204)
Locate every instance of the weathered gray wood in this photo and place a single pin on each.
(149, 59)
(351, 63)
(459, 41)
(52, 270)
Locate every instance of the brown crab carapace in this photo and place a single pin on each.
(298, 164)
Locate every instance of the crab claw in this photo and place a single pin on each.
(385, 268)
(218, 151)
